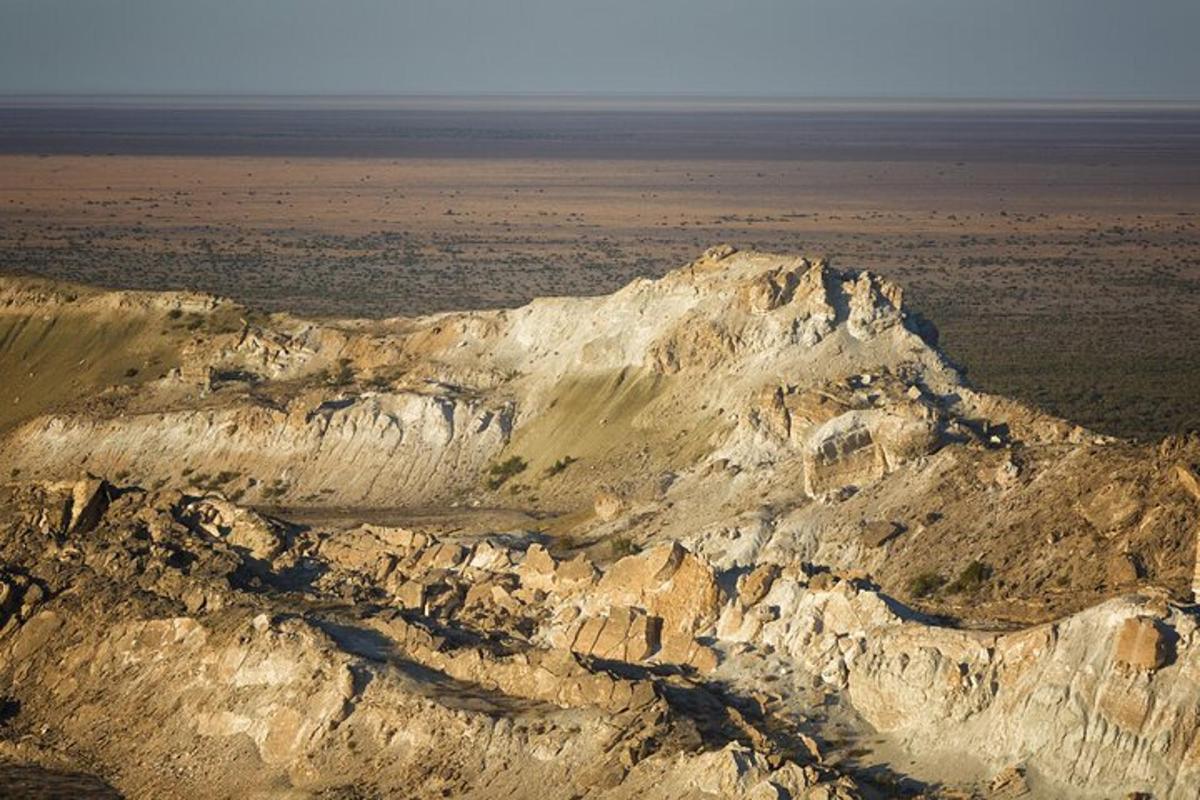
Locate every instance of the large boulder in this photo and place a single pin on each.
(668, 581)
(89, 500)
(874, 306)
(1142, 644)
(859, 447)
(243, 528)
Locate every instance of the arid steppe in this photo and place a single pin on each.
(1057, 249)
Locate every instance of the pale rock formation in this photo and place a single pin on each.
(775, 441)
(241, 527)
(89, 500)
(859, 447)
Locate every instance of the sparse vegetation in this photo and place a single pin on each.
(971, 579)
(623, 546)
(277, 489)
(559, 466)
(967, 272)
(342, 374)
(384, 379)
(203, 480)
(925, 584)
(500, 473)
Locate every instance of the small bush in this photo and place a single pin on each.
(559, 466)
(343, 374)
(925, 584)
(278, 488)
(971, 579)
(499, 473)
(380, 382)
(623, 546)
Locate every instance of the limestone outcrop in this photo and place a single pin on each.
(740, 532)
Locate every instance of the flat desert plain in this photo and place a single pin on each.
(1057, 248)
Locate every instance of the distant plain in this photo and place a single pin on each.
(1056, 247)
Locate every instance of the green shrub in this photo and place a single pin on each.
(559, 466)
(971, 579)
(499, 473)
(925, 584)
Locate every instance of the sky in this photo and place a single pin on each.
(1019, 49)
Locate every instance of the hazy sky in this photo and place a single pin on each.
(909, 48)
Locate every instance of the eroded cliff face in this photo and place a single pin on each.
(193, 647)
(361, 450)
(684, 540)
(425, 405)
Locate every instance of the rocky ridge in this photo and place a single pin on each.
(770, 539)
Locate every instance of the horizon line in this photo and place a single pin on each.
(48, 99)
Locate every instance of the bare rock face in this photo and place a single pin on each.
(1141, 644)
(1123, 569)
(669, 582)
(372, 441)
(1010, 782)
(874, 306)
(771, 289)
(860, 447)
(842, 452)
(267, 697)
(719, 252)
(757, 583)
(1114, 506)
(625, 634)
(880, 532)
(89, 500)
(680, 541)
